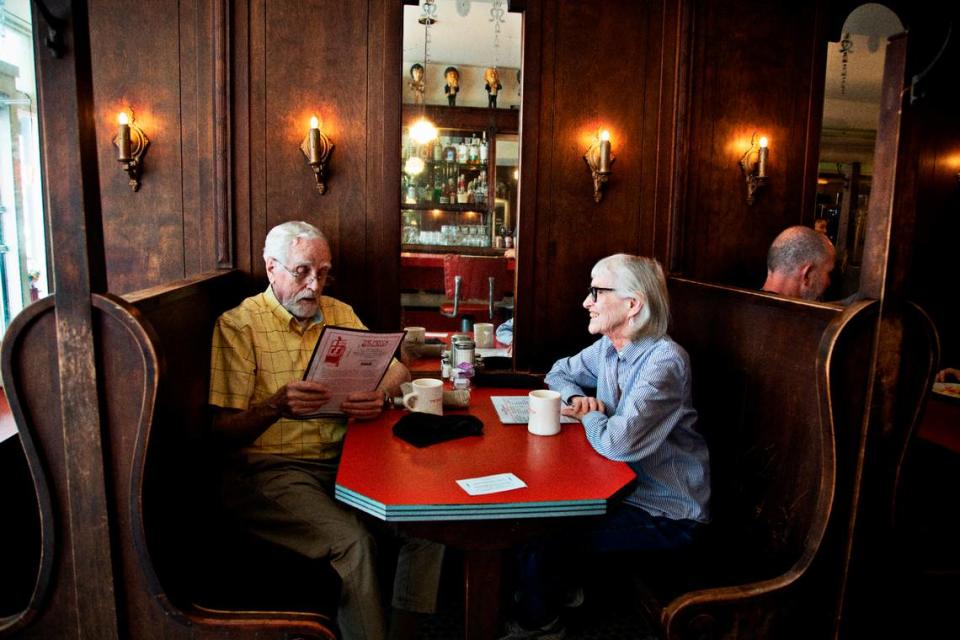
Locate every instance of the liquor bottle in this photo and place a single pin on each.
(483, 149)
(437, 151)
(480, 196)
(437, 189)
(473, 152)
(462, 152)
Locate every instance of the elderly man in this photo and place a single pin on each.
(799, 263)
(282, 467)
(631, 389)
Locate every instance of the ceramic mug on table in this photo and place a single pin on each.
(415, 335)
(544, 413)
(483, 335)
(426, 396)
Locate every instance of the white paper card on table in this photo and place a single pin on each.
(516, 410)
(491, 484)
(493, 352)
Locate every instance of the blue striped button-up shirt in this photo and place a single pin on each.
(648, 422)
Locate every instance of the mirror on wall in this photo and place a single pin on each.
(459, 160)
(851, 112)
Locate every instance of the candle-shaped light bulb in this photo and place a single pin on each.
(604, 152)
(314, 145)
(762, 158)
(123, 138)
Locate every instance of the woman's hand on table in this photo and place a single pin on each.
(580, 406)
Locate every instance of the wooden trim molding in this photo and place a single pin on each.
(223, 222)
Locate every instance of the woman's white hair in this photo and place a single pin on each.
(642, 278)
(277, 244)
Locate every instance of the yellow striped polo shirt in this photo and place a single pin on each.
(257, 348)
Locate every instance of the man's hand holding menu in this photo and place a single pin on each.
(348, 364)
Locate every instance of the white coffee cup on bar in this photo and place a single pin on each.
(415, 335)
(483, 335)
(544, 413)
(425, 396)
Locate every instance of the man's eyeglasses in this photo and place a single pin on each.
(305, 275)
(595, 290)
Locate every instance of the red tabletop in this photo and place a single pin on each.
(396, 481)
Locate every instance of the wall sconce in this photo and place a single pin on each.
(753, 164)
(132, 144)
(317, 148)
(599, 159)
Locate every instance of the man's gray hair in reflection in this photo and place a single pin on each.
(796, 246)
(277, 244)
(642, 278)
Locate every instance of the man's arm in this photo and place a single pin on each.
(237, 428)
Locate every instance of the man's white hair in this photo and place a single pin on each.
(277, 244)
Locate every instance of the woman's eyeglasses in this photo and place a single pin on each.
(595, 290)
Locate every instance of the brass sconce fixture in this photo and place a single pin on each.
(599, 160)
(753, 164)
(317, 148)
(132, 144)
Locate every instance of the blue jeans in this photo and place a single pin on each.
(540, 562)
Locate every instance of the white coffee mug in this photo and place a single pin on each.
(425, 396)
(483, 335)
(544, 413)
(415, 335)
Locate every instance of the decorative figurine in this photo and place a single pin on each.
(416, 72)
(492, 78)
(453, 85)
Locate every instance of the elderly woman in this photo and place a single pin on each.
(631, 391)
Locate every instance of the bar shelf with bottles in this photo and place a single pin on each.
(445, 194)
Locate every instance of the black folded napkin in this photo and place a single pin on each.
(424, 429)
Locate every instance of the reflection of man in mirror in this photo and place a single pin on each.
(416, 72)
(799, 263)
(492, 78)
(820, 225)
(452, 87)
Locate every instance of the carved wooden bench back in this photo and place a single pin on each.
(763, 372)
(152, 364)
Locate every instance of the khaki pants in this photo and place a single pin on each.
(289, 502)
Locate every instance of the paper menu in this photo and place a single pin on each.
(348, 360)
(516, 410)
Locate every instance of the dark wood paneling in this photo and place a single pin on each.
(148, 81)
(312, 62)
(381, 281)
(168, 228)
(751, 70)
(599, 65)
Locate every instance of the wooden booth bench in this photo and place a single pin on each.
(780, 390)
(181, 570)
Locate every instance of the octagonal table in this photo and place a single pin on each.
(395, 481)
